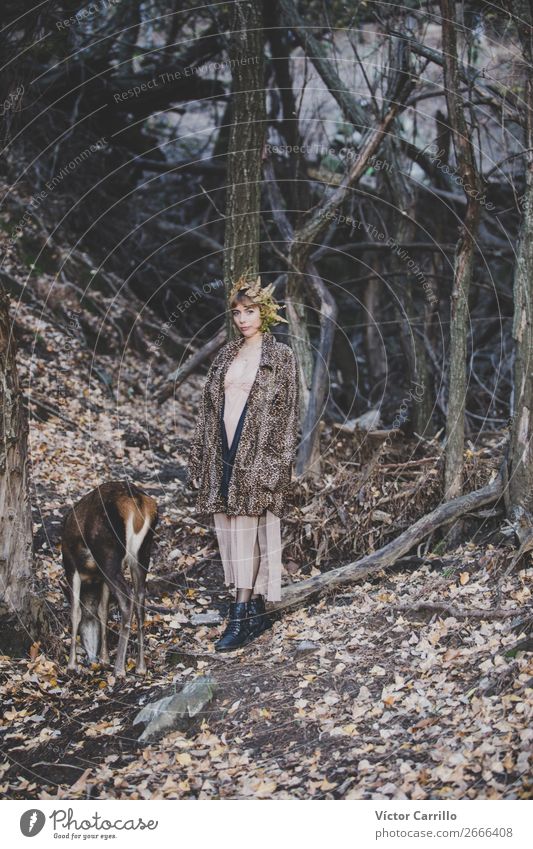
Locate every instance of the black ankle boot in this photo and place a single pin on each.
(259, 619)
(238, 628)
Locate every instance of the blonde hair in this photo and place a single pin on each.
(245, 287)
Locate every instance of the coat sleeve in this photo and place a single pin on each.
(285, 426)
(196, 448)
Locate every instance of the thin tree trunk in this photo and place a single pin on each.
(243, 198)
(520, 472)
(16, 549)
(420, 397)
(309, 461)
(464, 258)
(374, 350)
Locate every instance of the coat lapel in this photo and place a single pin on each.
(231, 350)
(233, 347)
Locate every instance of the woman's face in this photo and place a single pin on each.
(247, 318)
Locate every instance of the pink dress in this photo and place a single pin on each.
(236, 391)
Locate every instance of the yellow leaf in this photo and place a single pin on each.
(262, 789)
(508, 762)
(169, 785)
(81, 783)
(184, 759)
(464, 578)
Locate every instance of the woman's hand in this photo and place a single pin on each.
(195, 483)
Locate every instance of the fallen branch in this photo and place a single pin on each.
(457, 612)
(51, 410)
(358, 570)
(182, 372)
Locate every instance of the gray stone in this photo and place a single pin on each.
(305, 646)
(213, 618)
(164, 714)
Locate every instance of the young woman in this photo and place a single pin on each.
(241, 457)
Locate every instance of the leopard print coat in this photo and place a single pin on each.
(266, 449)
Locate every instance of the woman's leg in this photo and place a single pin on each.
(268, 579)
(244, 555)
(224, 533)
(259, 619)
(247, 594)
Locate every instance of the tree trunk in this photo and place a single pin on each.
(375, 354)
(461, 134)
(308, 460)
(520, 472)
(420, 402)
(16, 548)
(243, 198)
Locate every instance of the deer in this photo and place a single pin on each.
(110, 528)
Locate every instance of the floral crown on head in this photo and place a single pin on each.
(262, 297)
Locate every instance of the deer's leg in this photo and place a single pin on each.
(122, 593)
(75, 616)
(139, 569)
(103, 614)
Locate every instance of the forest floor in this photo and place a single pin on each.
(364, 693)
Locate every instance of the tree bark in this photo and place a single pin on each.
(16, 547)
(243, 197)
(374, 348)
(420, 396)
(520, 471)
(464, 258)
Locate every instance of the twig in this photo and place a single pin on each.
(410, 463)
(52, 763)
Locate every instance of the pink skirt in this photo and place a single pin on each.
(243, 542)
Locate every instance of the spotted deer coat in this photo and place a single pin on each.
(266, 448)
